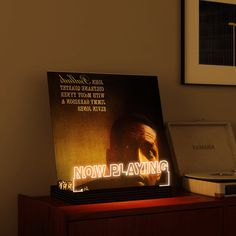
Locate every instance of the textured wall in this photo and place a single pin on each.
(106, 36)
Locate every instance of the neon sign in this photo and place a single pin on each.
(117, 170)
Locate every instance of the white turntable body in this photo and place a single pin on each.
(205, 156)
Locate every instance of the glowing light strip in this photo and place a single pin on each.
(165, 168)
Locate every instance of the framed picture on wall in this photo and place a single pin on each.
(208, 42)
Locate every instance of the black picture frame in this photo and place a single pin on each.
(196, 68)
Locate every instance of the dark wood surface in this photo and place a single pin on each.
(187, 214)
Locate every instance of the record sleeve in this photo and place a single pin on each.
(86, 108)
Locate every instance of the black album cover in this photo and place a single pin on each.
(108, 131)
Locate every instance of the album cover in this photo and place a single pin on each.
(108, 131)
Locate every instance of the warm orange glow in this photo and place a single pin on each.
(232, 23)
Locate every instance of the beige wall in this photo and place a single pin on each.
(105, 36)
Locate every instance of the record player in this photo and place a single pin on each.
(204, 155)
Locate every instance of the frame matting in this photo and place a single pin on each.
(192, 71)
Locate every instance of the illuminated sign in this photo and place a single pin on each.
(117, 170)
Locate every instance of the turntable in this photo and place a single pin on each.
(204, 156)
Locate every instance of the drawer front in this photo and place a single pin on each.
(202, 222)
(230, 221)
